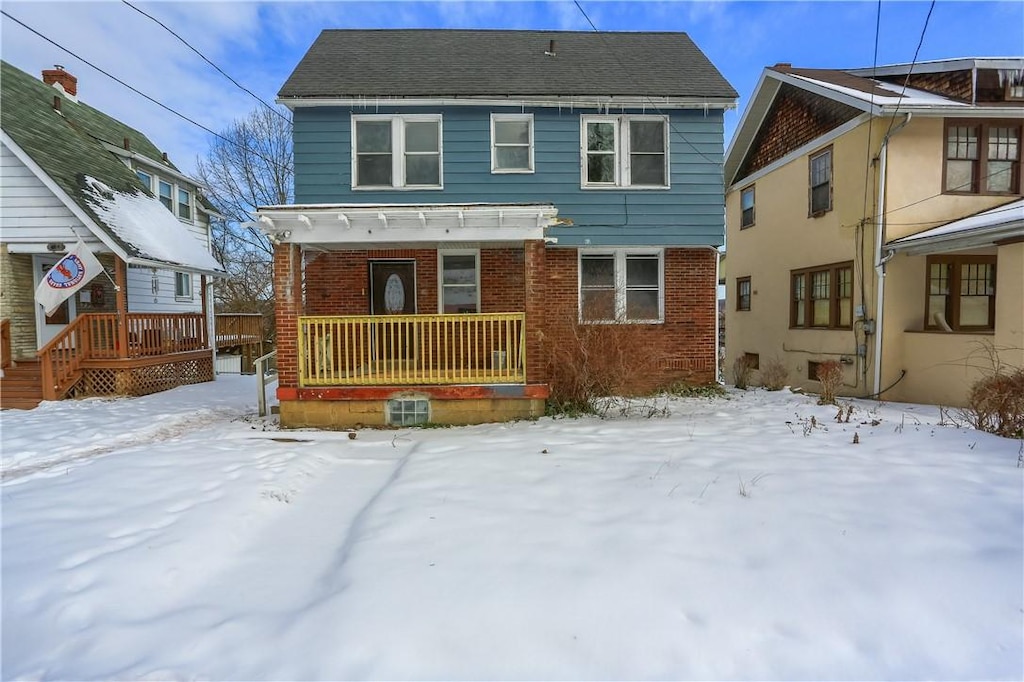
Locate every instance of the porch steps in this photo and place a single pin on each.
(21, 387)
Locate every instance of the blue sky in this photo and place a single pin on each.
(258, 44)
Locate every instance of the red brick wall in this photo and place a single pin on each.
(685, 342)
(287, 309)
(502, 280)
(338, 282)
(796, 118)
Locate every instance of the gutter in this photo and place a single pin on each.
(880, 259)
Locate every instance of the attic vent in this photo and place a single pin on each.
(551, 49)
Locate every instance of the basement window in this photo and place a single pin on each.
(408, 411)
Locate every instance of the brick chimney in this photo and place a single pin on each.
(57, 75)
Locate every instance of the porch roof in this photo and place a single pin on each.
(980, 230)
(366, 225)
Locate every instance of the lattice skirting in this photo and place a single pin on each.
(143, 380)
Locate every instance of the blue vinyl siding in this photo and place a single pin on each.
(691, 212)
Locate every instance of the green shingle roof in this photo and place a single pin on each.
(67, 146)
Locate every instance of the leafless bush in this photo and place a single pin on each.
(589, 361)
(774, 375)
(996, 404)
(830, 374)
(741, 369)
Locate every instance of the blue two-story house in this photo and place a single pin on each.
(466, 199)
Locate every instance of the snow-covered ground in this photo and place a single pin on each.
(178, 537)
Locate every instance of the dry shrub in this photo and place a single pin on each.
(774, 375)
(996, 404)
(741, 369)
(589, 361)
(830, 374)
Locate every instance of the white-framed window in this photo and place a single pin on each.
(621, 285)
(396, 152)
(511, 143)
(184, 204)
(624, 151)
(820, 190)
(145, 178)
(165, 192)
(458, 281)
(183, 286)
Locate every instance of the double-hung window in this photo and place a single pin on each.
(820, 192)
(822, 297)
(182, 286)
(982, 157)
(459, 280)
(395, 152)
(184, 204)
(624, 151)
(146, 179)
(747, 207)
(165, 191)
(961, 293)
(511, 143)
(742, 293)
(621, 286)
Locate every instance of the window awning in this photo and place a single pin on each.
(987, 228)
(363, 225)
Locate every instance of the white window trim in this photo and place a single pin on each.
(441, 253)
(148, 175)
(191, 287)
(494, 145)
(191, 203)
(397, 151)
(155, 180)
(620, 283)
(622, 160)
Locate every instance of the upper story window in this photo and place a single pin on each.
(459, 280)
(961, 293)
(822, 297)
(982, 157)
(511, 143)
(820, 182)
(146, 179)
(747, 207)
(184, 204)
(391, 151)
(624, 151)
(165, 191)
(621, 286)
(742, 293)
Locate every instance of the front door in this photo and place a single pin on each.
(393, 292)
(48, 326)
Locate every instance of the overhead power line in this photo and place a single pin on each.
(653, 104)
(207, 60)
(910, 71)
(142, 94)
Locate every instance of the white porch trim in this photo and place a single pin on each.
(366, 225)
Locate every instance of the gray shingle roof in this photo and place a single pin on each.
(452, 63)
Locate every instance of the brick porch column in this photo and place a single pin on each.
(535, 308)
(287, 309)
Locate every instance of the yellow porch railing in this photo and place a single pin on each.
(391, 350)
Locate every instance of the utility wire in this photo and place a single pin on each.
(142, 94)
(628, 73)
(910, 71)
(205, 59)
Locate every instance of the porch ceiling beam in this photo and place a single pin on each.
(345, 221)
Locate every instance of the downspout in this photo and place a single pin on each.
(881, 260)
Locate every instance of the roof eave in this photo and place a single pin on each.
(580, 101)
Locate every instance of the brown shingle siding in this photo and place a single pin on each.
(796, 117)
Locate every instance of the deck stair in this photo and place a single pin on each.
(21, 387)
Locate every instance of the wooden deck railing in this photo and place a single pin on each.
(238, 329)
(389, 350)
(5, 343)
(94, 336)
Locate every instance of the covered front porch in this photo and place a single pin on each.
(397, 315)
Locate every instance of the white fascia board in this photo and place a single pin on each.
(962, 111)
(177, 267)
(71, 205)
(577, 102)
(158, 167)
(805, 83)
(760, 102)
(958, 241)
(821, 141)
(940, 65)
(374, 224)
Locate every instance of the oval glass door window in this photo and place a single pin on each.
(394, 295)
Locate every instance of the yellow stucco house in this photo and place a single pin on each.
(874, 217)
